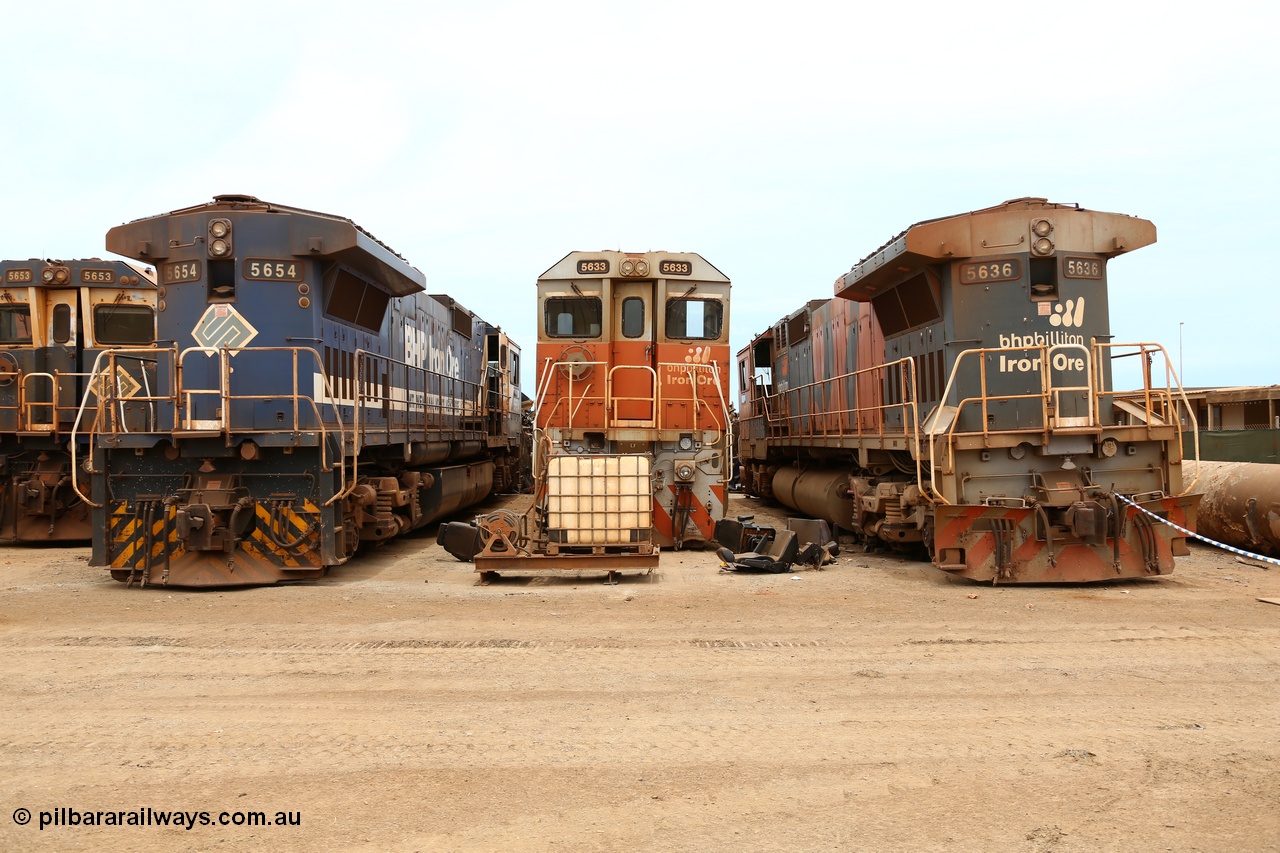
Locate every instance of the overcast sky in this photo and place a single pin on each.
(784, 142)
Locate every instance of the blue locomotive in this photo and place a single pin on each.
(311, 398)
(56, 317)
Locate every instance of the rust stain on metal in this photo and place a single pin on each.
(1241, 505)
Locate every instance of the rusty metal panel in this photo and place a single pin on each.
(1241, 504)
(567, 563)
(989, 232)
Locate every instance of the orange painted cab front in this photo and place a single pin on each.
(633, 357)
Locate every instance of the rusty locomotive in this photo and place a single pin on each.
(957, 394)
(633, 443)
(56, 317)
(309, 398)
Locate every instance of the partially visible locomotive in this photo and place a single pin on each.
(55, 319)
(957, 394)
(632, 447)
(311, 398)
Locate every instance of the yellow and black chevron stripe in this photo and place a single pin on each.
(126, 533)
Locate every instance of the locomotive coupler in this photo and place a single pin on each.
(214, 519)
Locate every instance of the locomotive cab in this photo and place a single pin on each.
(56, 319)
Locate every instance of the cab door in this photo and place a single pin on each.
(62, 319)
(633, 356)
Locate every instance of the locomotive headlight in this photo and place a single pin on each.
(628, 268)
(1042, 246)
(1041, 227)
(642, 267)
(686, 442)
(47, 275)
(1109, 447)
(684, 472)
(62, 275)
(219, 238)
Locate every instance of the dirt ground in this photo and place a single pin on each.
(877, 705)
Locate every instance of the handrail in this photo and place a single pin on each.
(573, 404)
(456, 403)
(692, 369)
(830, 412)
(1088, 387)
(110, 355)
(451, 393)
(776, 408)
(779, 412)
(1145, 350)
(611, 399)
(547, 379)
(185, 396)
(26, 406)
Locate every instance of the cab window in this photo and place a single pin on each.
(694, 319)
(15, 324)
(632, 317)
(573, 317)
(61, 323)
(124, 324)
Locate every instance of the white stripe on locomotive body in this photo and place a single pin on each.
(401, 399)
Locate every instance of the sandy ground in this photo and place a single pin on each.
(876, 705)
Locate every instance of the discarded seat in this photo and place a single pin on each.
(771, 555)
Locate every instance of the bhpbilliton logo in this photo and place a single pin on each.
(1069, 316)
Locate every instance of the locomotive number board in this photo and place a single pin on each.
(1082, 268)
(675, 268)
(180, 271)
(261, 269)
(19, 276)
(97, 276)
(1002, 270)
(593, 267)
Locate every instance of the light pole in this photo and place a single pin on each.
(1181, 378)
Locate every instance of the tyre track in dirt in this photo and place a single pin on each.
(859, 708)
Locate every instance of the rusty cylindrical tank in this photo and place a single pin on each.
(818, 494)
(1241, 504)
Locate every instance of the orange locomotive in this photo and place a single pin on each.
(633, 445)
(633, 357)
